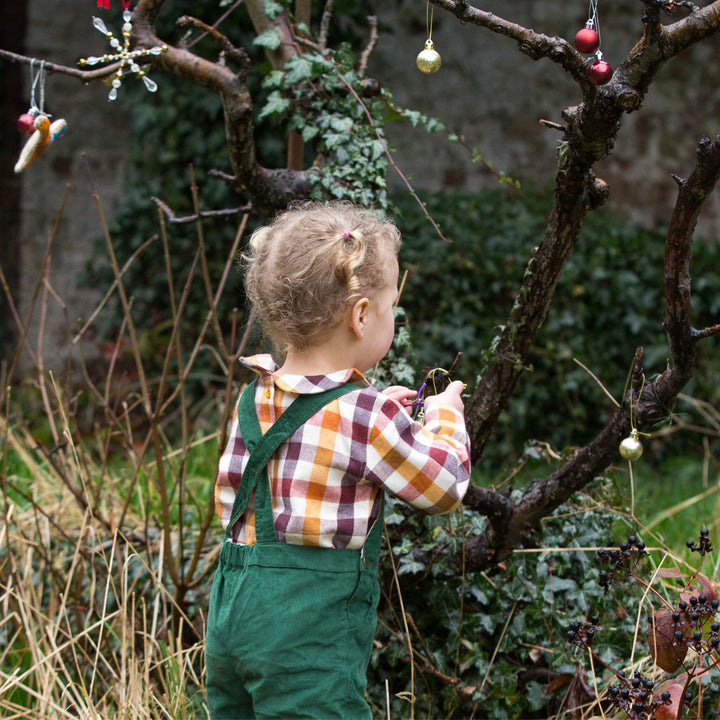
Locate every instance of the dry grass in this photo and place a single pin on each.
(108, 539)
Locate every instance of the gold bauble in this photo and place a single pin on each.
(428, 60)
(631, 448)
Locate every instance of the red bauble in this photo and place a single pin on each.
(600, 72)
(587, 40)
(26, 124)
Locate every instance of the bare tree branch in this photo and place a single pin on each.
(509, 523)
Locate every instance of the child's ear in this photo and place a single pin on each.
(359, 316)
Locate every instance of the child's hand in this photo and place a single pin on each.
(452, 395)
(400, 394)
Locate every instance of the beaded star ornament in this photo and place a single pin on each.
(127, 57)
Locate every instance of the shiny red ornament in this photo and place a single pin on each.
(587, 40)
(600, 72)
(25, 124)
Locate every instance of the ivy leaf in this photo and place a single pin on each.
(270, 39)
(298, 69)
(276, 105)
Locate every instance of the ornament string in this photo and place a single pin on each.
(429, 9)
(633, 410)
(593, 19)
(594, 23)
(37, 88)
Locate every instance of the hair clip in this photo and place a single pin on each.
(346, 234)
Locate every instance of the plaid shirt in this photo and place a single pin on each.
(327, 478)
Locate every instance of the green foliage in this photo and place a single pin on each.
(319, 95)
(485, 644)
(608, 302)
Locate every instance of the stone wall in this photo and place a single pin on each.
(57, 207)
(486, 90)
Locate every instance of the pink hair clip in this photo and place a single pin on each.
(346, 234)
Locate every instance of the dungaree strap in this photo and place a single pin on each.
(262, 447)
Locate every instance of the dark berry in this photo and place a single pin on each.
(678, 635)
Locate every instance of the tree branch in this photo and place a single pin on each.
(509, 523)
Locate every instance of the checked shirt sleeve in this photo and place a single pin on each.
(427, 466)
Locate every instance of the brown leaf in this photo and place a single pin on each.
(672, 711)
(667, 652)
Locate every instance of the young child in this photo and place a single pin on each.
(313, 446)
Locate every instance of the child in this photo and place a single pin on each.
(300, 485)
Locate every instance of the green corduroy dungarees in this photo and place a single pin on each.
(290, 627)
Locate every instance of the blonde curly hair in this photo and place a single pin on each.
(313, 259)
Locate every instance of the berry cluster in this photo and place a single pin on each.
(688, 621)
(705, 545)
(582, 635)
(623, 560)
(634, 696)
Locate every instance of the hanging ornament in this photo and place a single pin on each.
(600, 71)
(123, 54)
(103, 4)
(35, 122)
(428, 59)
(587, 41)
(631, 448)
(44, 134)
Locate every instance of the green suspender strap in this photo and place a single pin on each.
(262, 447)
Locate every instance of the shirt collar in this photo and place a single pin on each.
(265, 366)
